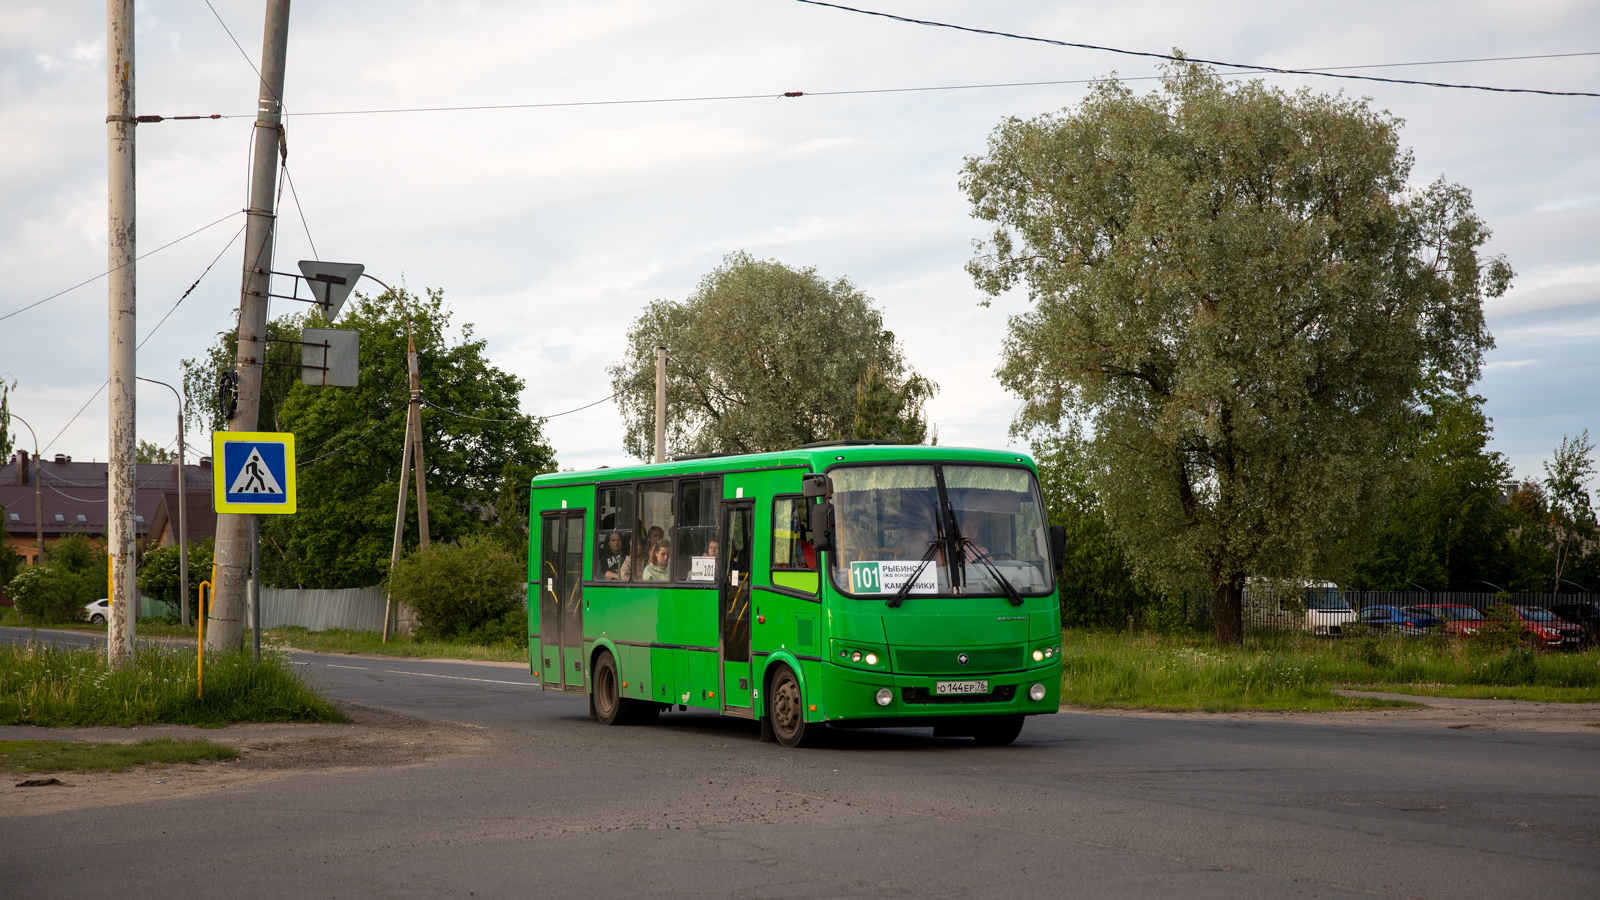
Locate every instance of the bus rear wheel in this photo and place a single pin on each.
(787, 712)
(610, 707)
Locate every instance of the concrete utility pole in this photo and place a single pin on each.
(225, 624)
(661, 404)
(120, 534)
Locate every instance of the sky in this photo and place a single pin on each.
(550, 229)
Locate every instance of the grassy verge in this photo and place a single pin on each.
(339, 640)
(19, 757)
(49, 686)
(1297, 672)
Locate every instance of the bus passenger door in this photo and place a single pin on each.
(561, 600)
(733, 591)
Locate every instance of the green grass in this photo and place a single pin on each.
(19, 757)
(50, 686)
(1297, 672)
(339, 640)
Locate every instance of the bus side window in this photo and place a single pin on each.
(655, 531)
(791, 535)
(697, 530)
(614, 557)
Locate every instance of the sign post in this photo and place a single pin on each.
(253, 473)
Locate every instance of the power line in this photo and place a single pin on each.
(1312, 70)
(301, 210)
(1324, 73)
(109, 271)
(186, 293)
(250, 62)
(463, 415)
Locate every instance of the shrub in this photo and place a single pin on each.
(456, 588)
(158, 574)
(1500, 631)
(50, 594)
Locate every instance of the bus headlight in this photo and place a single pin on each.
(856, 656)
(885, 696)
(1038, 656)
(872, 659)
(1036, 693)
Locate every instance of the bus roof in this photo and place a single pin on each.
(816, 458)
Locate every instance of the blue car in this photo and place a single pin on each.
(1406, 620)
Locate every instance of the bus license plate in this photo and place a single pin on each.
(961, 687)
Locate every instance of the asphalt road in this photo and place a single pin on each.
(1082, 806)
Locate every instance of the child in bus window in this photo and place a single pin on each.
(657, 568)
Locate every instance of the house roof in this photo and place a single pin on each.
(74, 494)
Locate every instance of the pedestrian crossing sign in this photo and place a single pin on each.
(252, 472)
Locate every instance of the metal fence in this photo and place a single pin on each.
(358, 609)
(1299, 611)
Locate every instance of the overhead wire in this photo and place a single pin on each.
(109, 271)
(1323, 73)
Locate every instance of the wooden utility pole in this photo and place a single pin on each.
(225, 625)
(122, 338)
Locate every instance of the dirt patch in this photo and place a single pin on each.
(1443, 712)
(373, 738)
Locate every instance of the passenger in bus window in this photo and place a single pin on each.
(614, 558)
(656, 569)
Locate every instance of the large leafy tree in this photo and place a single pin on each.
(763, 356)
(1448, 527)
(1238, 293)
(1573, 528)
(481, 450)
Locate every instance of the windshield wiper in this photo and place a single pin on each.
(1006, 587)
(905, 589)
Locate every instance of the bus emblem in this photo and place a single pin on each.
(961, 658)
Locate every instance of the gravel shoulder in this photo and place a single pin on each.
(373, 738)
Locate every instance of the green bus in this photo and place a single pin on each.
(852, 584)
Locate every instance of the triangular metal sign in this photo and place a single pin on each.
(331, 283)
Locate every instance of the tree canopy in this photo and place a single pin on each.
(762, 356)
(481, 451)
(1238, 294)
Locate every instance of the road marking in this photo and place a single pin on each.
(459, 677)
(332, 666)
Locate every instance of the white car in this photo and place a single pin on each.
(98, 611)
(1327, 613)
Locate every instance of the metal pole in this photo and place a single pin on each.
(416, 435)
(255, 582)
(183, 510)
(120, 534)
(183, 525)
(661, 404)
(399, 528)
(234, 534)
(38, 490)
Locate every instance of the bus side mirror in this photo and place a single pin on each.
(819, 488)
(1058, 546)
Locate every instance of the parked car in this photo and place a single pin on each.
(1581, 612)
(98, 611)
(1326, 612)
(1407, 620)
(1459, 620)
(1541, 628)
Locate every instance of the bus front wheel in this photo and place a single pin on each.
(787, 712)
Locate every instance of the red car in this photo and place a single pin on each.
(1459, 621)
(1542, 628)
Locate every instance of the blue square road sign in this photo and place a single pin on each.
(253, 472)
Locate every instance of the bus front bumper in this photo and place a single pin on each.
(853, 694)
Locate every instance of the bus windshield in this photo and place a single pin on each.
(905, 523)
